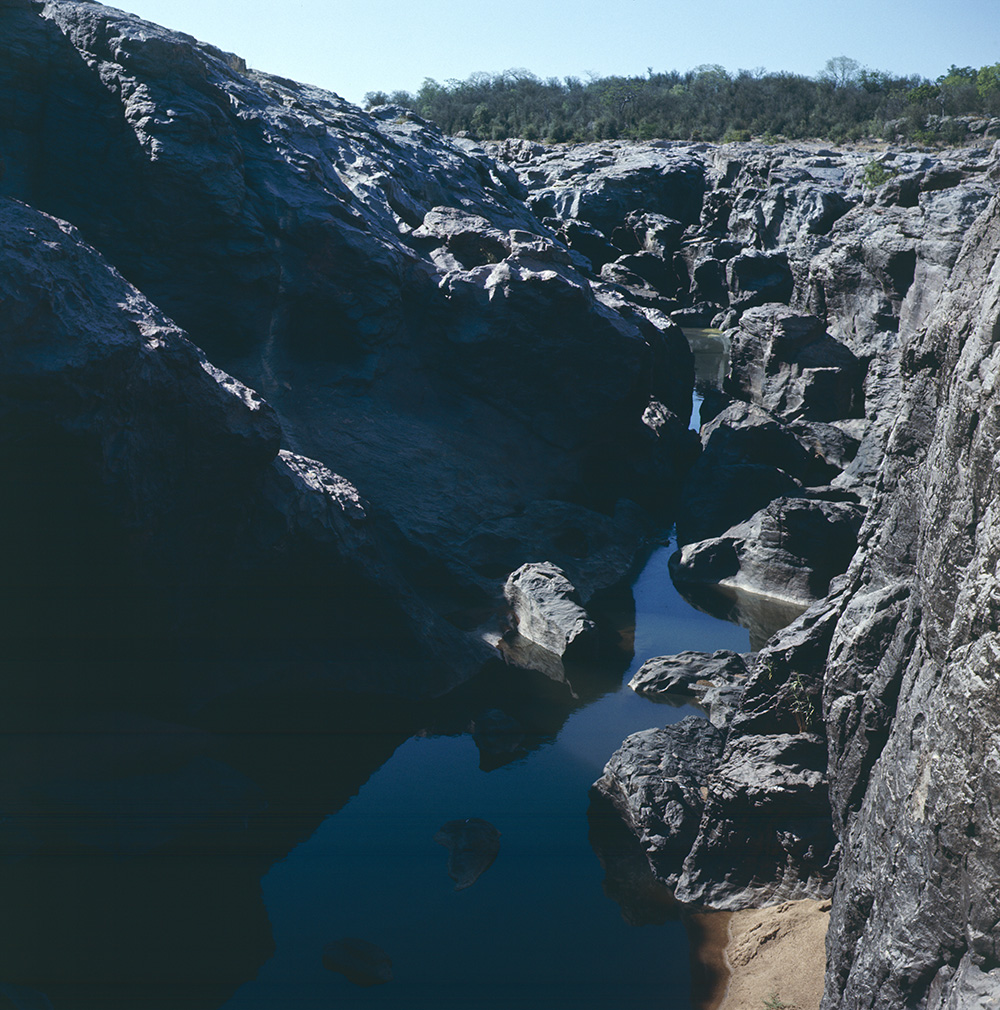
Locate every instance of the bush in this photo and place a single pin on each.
(876, 173)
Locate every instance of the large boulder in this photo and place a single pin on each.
(545, 609)
(766, 834)
(150, 494)
(785, 362)
(688, 673)
(384, 287)
(603, 183)
(790, 550)
(656, 782)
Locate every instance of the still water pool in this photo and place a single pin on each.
(536, 930)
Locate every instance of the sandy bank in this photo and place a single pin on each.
(761, 957)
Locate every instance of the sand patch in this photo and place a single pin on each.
(774, 957)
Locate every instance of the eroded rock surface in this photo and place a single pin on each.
(657, 781)
(545, 609)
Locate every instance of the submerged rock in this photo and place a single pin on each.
(359, 961)
(472, 846)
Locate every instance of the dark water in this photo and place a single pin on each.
(151, 863)
(161, 858)
(536, 929)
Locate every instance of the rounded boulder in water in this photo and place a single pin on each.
(472, 846)
(359, 961)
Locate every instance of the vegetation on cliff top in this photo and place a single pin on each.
(845, 102)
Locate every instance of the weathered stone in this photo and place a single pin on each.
(755, 278)
(546, 609)
(180, 504)
(744, 433)
(656, 782)
(790, 550)
(384, 287)
(786, 363)
(716, 498)
(602, 183)
(687, 673)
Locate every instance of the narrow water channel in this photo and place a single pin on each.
(155, 858)
(536, 929)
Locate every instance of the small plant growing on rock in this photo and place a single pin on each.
(801, 704)
(876, 173)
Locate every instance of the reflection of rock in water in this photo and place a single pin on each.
(527, 655)
(472, 846)
(499, 738)
(20, 998)
(711, 356)
(762, 616)
(628, 878)
(358, 961)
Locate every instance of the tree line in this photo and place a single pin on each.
(845, 102)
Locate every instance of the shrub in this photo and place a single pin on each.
(876, 173)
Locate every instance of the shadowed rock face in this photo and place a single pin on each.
(155, 510)
(386, 289)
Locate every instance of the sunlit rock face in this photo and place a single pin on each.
(866, 705)
(442, 364)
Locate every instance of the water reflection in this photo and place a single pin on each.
(165, 857)
(762, 616)
(711, 356)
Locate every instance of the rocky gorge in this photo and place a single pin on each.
(298, 399)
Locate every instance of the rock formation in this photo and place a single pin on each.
(388, 291)
(285, 381)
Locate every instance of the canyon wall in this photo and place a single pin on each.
(467, 359)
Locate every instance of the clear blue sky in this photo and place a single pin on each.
(352, 48)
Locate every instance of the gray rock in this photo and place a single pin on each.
(907, 671)
(790, 550)
(384, 287)
(744, 433)
(473, 844)
(162, 468)
(766, 835)
(755, 278)
(656, 781)
(593, 550)
(687, 673)
(603, 183)
(785, 362)
(545, 609)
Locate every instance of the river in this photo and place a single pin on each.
(153, 859)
